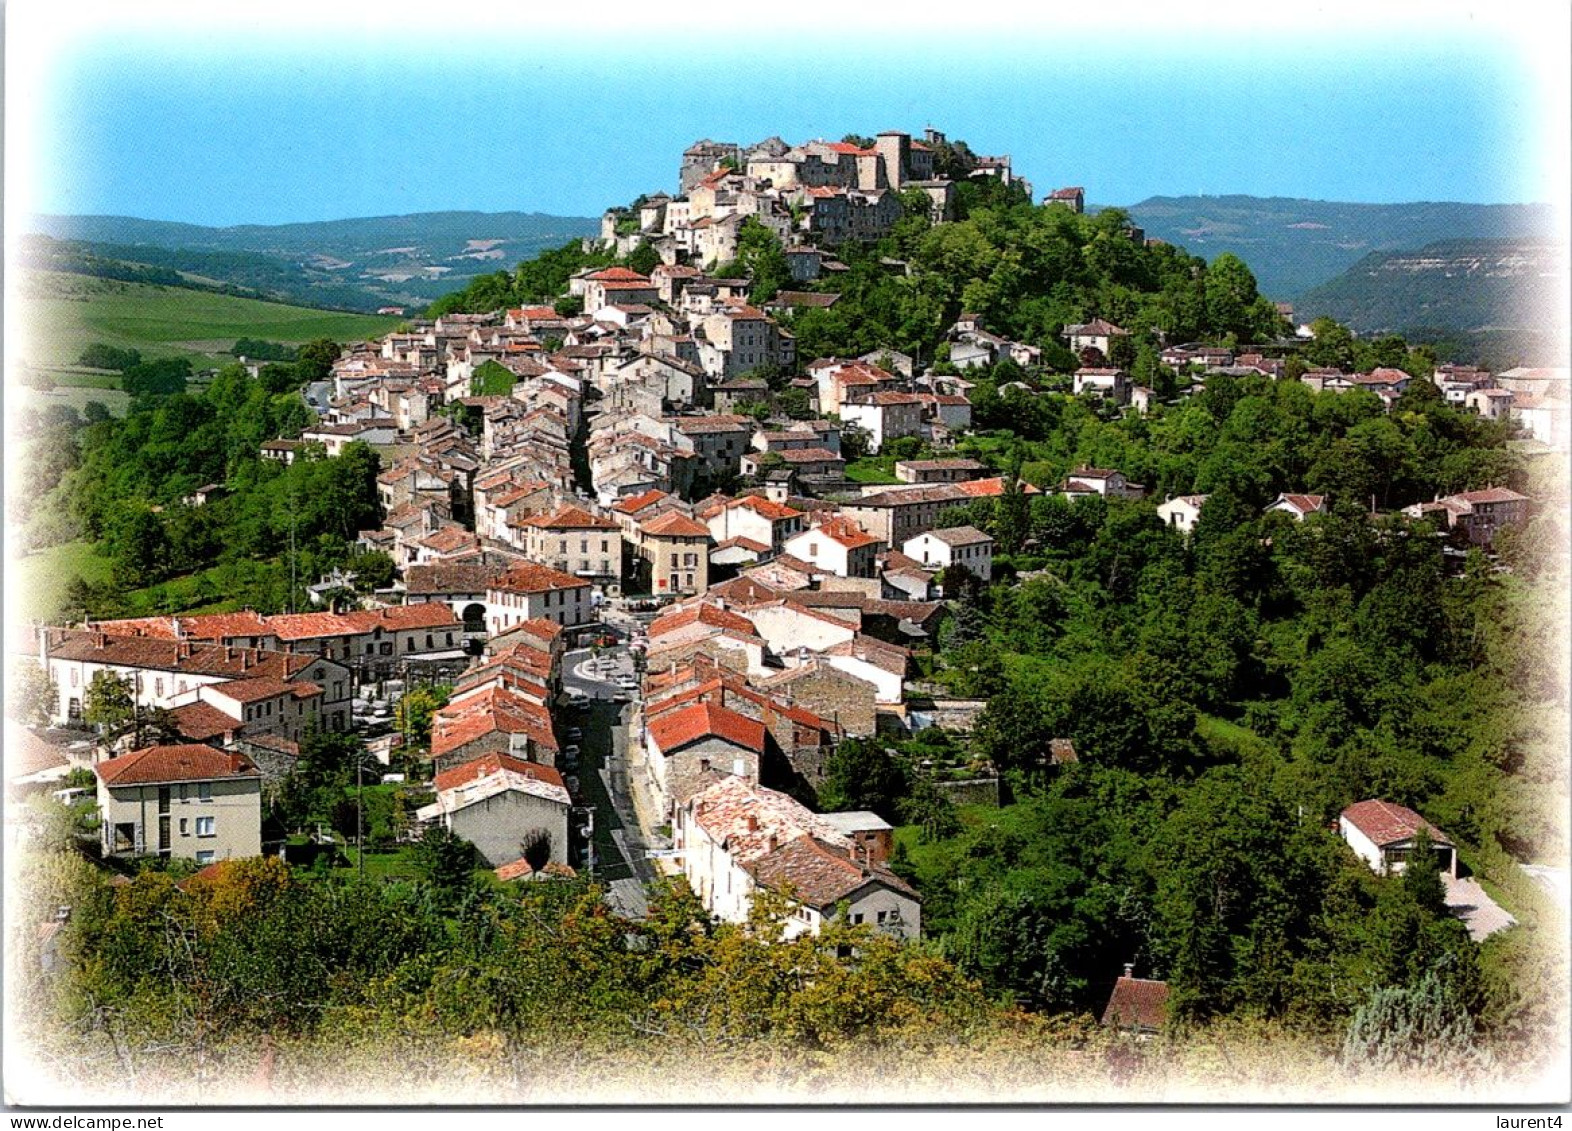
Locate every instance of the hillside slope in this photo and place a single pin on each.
(1499, 300)
(63, 314)
(366, 262)
(1295, 245)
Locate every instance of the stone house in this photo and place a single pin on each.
(735, 837)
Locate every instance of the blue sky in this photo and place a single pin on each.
(227, 125)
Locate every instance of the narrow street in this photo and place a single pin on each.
(622, 844)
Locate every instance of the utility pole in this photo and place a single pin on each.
(293, 511)
(360, 819)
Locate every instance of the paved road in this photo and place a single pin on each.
(1482, 915)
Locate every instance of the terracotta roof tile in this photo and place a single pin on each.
(488, 764)
(158, 765)
(531, 577)
(680, 728)
(819, 873)
(1385, 823)
(1137, 1003)
(674, 524)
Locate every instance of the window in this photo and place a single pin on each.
(205, 857)
(204, 826)
(182, 794)
(370, 648)
(73, 677)
(183, 827)
(856, 917)
(428, 641)
(883, 915)
(158, 687)
(409, 643)
(449, 637)
(205, 791)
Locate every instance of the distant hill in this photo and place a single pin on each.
(65, 313)
(1504, 296)
(1293, 245)
(358, 264)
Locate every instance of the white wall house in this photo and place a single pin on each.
(953, 545)
(1382, 835)
(1181, 512)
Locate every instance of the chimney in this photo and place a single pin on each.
(753, 823)
(1129, 969)
(775, 842)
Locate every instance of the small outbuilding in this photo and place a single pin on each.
(1137, 1005)
(1382, 834)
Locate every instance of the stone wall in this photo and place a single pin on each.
(978, 791)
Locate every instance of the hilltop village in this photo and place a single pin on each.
(641, 497)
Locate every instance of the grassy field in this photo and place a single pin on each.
(872, 469)
(63, 314)
(41, 578)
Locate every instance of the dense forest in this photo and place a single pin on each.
(123, 484)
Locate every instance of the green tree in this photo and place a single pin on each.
(491, 379)
(314, 360)
(108, 703)
(373, 570)
(863, 773)
(415, 709)
(1424, 1026)
(34, 694)
(445, 861)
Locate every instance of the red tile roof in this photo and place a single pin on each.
(819, 873)
(570, 518)
(674, 524)
(991, 488)
(843, 531)
(1137, 1003)
(705, 720)
(618, 275)
(488, 764)
(256, 690)
(1385, 823)
(1305, 504)
(202, 721)
(496, 710)
(1492, 495)
(700, 612)
(517, 870)
(159, 765)
(448, 577)
(531, 577)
